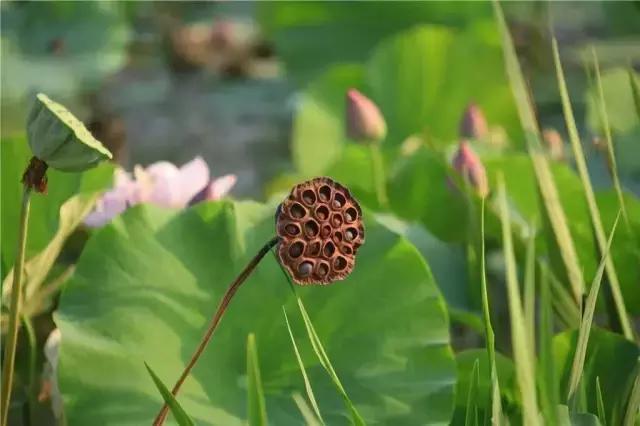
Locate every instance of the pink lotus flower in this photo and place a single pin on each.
(162, 184)
(364, 120)
(467, 163)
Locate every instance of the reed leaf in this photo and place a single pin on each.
(307, 383)
(544, 178)
(604, 120)
(519, 338)
(178, 412)
(583, 172)
(585, 325)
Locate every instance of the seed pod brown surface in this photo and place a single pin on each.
(320, 229)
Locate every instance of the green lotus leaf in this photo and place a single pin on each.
(58, 138)
(146, 285)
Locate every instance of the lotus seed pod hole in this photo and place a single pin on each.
(329, 249)
(292, 229)
(311, 228)
(324, 193)
(340, 263)
(296, 249)
(336, 220)
(297, 211)
(309, 197)
(351, 214)
(323, 268)
(322, 212)
(314, 248)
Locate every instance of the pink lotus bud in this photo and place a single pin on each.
(554, 143)
(467, 163)
(473, 124)
(365, 122)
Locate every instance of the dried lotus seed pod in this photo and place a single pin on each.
(320, 229)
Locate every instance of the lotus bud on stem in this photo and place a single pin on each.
(473, 124)
(319, 230)
(366, 125)
(467, 163)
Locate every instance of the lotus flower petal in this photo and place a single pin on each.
(194, 176)
(215, 190)
(162, 184)
(221, 186)
(113, 202)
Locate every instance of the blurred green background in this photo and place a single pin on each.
(228, 80)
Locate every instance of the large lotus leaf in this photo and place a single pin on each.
(425, 77)
(422, 81)
(623, 119)
(45, 208)
(420, 189)
(146, 285)
(353, 167)
(448, 263)
(310, 35)
(318, 131)
(609, 357)
(618, 98)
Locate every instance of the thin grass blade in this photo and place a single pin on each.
(635, 89)
(604, 119)
(548, 383)
(585, 326)
(583, 172)
(309, 418)
(522, 352)
(496, 403)
(530, 292)
(631, 415)
(564, 305)
(600, 401)
(307, 383)
(178, 412)
(256, 406)
(471, 415)
(356, 418)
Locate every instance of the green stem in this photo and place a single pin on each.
(379, 180)
(33, 359)
(496, 404)
(16, 293)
